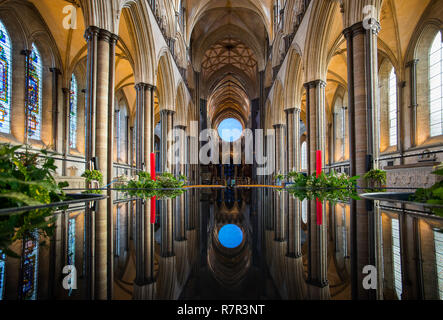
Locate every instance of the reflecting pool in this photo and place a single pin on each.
(232, 243)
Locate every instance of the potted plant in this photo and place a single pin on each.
(330, 186)
(26, 179)
(166, 186)
(280, 179)
(29, 195)
(375, 180)
(94, 178)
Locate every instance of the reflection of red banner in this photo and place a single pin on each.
(153, 199)
(319, 213)
(319, 203)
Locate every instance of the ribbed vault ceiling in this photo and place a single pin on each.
(229, 52)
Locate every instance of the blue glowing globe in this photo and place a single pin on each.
(230, 236)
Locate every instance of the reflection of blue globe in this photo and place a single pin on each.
(230, 236)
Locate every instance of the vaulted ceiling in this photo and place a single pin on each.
(229, 52)
(228, 41)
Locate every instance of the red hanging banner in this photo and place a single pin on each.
(319, 163)
(319, 203)
(153, 176)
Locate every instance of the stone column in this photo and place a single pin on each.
(167, 223)
(316, 128)
(149, 232)
(65, 127)
(144, 228)
(100, 83)
(364, 144)
(316, 122)
(412, 65)
(55, 110)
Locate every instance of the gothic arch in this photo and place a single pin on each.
(165, 82)
(293, 80)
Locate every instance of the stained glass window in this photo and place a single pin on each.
(5, 79)
(71, 245)
(2, 274)
(392, 108)
(30, 267)
(396, 257)
(436, 86)
(73, 113)
(35, 79)
(438, 239)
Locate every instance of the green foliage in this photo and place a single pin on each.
(375, 178)
(432, 195)
(165, 186)
(26, 179)
(279, 177)
(329, 187)
(92, 176)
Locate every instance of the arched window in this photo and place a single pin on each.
(121, 132)
(436, 86)
(34, 73)
(340, 130)
(73, 113)
(392, 108)
(5, 79)
(304, 156)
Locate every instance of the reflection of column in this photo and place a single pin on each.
(317, 246)
(167, 218)
(364, 144)
(179, 202)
